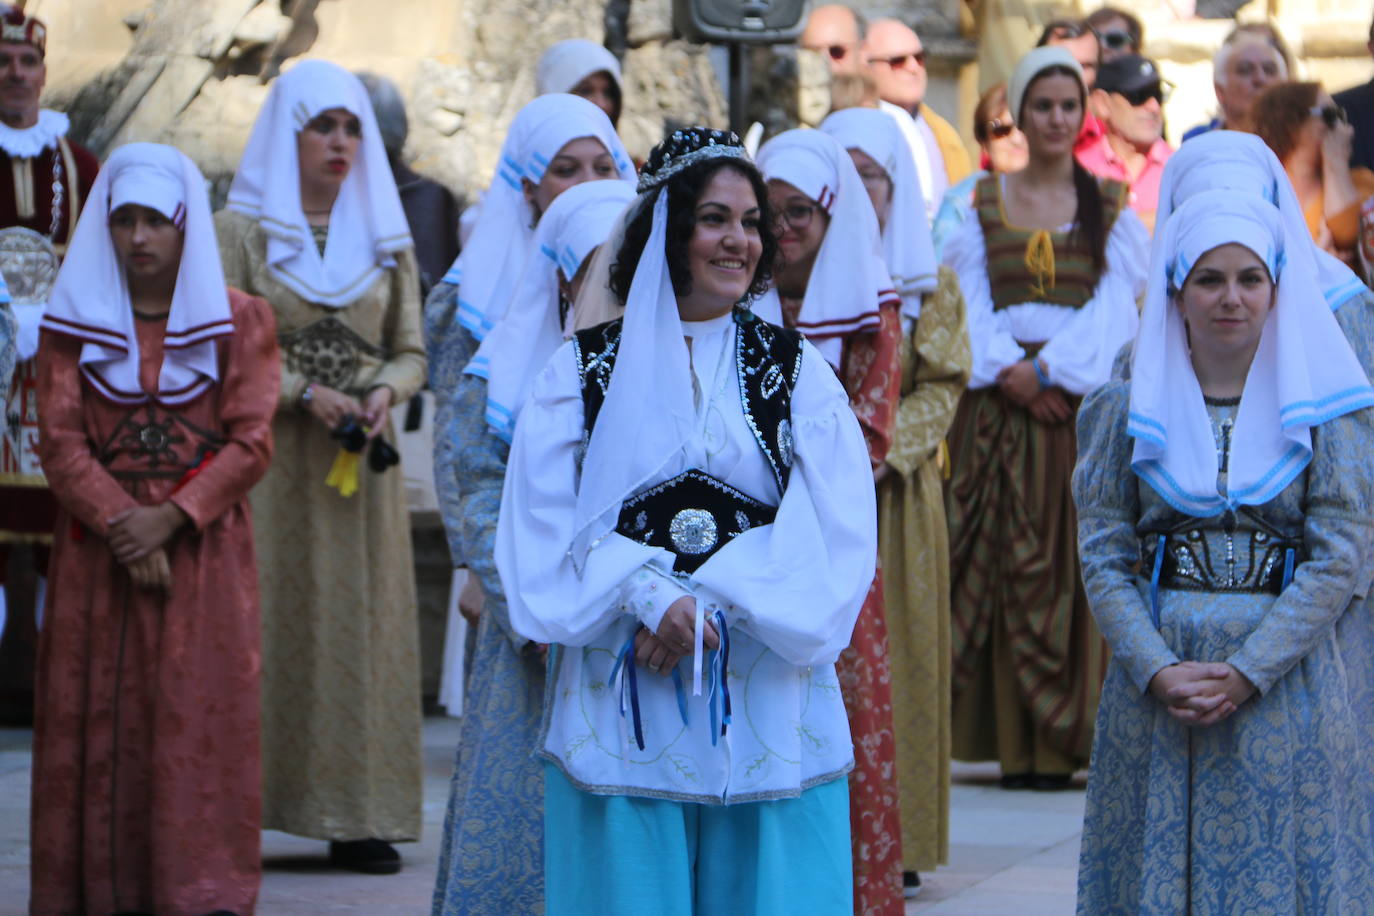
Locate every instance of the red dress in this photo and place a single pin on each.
(146, 776)
(870, 369)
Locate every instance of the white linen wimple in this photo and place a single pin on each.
(849, 280)
(566, 63)
(907, 245)
(1303, 374)
(489, 266)
(516, 350)
(367, 226)
(90, 298)
(1237, 161)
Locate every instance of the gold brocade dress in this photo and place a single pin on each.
(341, 666)
(913, 542)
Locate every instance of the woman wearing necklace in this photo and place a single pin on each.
(1224, 501)
(157, 389)
(836, 288)
(314, 225)
(1051, 267)
(688, 516)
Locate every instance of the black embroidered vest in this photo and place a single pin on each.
(694, 514)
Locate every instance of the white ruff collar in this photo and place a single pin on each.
(27, 142)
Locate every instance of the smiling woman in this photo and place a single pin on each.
(687, 516)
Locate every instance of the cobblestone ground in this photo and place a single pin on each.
(1011, 853)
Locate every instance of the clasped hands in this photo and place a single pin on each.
(1021, 385)
(330, 406)
(137, 537)
(1201, 693)
(660, 651)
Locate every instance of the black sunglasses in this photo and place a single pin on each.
(900, 59)
(998, 129)
(1138, 97)
(1115, 39)
(1331, 115)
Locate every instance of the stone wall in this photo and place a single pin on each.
(193, 72)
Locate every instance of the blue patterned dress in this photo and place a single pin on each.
(491, 860)
(1268, 811)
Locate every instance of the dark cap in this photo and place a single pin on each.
(1127, 74)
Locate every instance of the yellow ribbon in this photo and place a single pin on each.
(343, 476)
(1040, 260)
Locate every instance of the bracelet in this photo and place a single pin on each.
(1040, 375)
(307, 395)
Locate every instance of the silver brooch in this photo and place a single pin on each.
(693, 531)
(785, 441)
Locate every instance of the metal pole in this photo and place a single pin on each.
(739, 88)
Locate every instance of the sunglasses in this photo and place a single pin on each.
(899, 61)
(1115, 40)
(1331, 115)
(999, 129)
(1138, 97)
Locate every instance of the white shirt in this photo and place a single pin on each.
(790, 592)
(925, 152)
(1080, 344)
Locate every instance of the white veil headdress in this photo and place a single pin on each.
(648, 413)
(90, 298)
(1237, 161)
(907, 245)
(524, 340)
(1303, 374)
(566, 63)
(849, 281)
(367, 226)
(489, 266)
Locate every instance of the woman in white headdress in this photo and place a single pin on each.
(913, 536)
(688, 516)
(1242, 162)
(583, 68)
(1225, 508)
(314, 225)
(1051, 267)
(835, 287)
(555, 142)
(492, 859)
(157, 387)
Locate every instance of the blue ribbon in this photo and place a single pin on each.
(718, 697)
(630, 680)
(1290, 558)
(1154, 580)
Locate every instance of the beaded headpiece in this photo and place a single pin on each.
(687, 147)
(17, 27)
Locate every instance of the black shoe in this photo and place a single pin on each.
(911, 884)
(1017, 780)
(371, 857)
(222, 913)
(1051, 782)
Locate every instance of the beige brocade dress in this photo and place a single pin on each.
(341, 665)
(913, 542)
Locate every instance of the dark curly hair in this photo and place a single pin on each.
(684, 190)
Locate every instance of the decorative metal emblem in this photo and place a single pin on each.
(29, 264)
(326, 351)
(693, 531)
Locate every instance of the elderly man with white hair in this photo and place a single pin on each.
(1247, 63)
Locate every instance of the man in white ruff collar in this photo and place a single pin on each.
(44, 180)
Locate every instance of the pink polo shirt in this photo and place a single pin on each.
(1100, 159)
